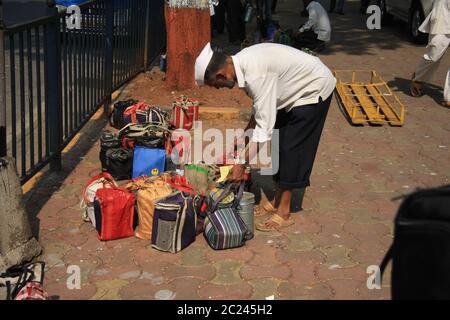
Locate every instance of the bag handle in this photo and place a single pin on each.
(239, 194)
(109, 180)
(226, 191)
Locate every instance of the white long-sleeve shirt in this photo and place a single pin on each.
(318, 21)
(279, 77)
(438, 20)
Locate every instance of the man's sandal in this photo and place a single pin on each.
(415, 87)
(264, 209)
(446, 104)
(275, 222)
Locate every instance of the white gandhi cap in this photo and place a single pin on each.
(201, 63)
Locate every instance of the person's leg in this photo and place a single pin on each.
(307, 39)
(268, 11)
(446, 101)
(437, 45)
(332, 5)
(274, 5)
(220, 16)
(340, 6)
(299, 139)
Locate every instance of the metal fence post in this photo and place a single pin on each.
(53, 92)
(3, 146)
(109, 47)
(147, 32)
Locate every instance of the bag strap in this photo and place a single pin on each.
(388, 257)
(26, 276)
(226, 191)
(239, 194)
(109, 180)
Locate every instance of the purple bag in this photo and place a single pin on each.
(174, 223)
(225, 228)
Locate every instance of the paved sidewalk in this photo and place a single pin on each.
(347, 222)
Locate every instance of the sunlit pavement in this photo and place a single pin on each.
(345, 227)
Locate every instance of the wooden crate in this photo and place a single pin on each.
(366, 98)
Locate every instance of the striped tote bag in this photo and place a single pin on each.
(224, 227)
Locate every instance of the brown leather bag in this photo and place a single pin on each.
(148, 191)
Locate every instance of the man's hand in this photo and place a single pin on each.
(237, 173)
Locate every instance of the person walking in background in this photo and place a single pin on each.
(340, 6)
(218, 19)
(363, 6)
(317, 30)
(235, 21)
(437, 25)
(274, 6)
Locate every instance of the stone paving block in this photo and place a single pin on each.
(205, 272)
(264, 287)
(291, 256)
(316, 291)
(193, 256)
(337, 255)
(344, 289)
(186, 288)
(109, 289)
(250, 272)
(143, 289)
(240, 254)
(334, 272)
(240, 290)
(227, 272)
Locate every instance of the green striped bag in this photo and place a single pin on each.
(224, 227)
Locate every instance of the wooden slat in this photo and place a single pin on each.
(359, 117)
(385, 107)
(367, 105)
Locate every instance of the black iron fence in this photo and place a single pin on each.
(57, 77)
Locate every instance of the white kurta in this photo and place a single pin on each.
(278, 77)
(437, 24)
(318, 21)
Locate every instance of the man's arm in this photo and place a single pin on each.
(312, 20)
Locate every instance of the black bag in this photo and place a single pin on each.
(420, 252)
(143, 134)
(108, 140)
(119, 163)
(116, 117)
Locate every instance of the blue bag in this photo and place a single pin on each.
(148, 161)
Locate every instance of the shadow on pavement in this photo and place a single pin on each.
(44, 189)
(433, 91)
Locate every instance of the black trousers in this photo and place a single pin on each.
(235, 20)
(218, 19)
(299, 135)
(307, 39)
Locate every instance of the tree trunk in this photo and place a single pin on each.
(188, 31)
(17, 244)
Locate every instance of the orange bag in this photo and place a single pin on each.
(148, 191)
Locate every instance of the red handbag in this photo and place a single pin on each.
(184, 113)
(115, 216)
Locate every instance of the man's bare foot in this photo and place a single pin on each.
(446, 104)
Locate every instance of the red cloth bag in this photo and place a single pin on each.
(184, 113)
(114, 213)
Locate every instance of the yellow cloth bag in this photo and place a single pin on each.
(149, 190)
